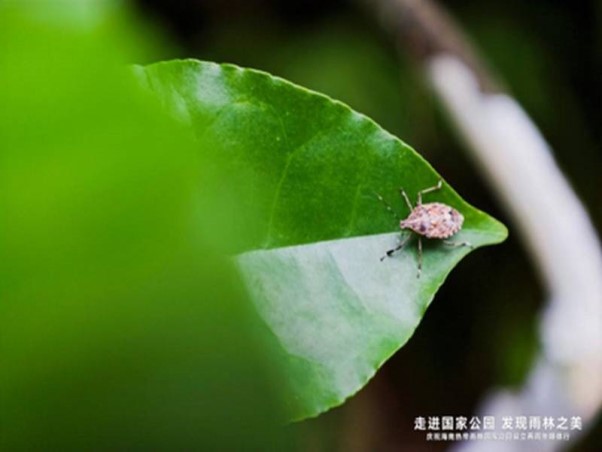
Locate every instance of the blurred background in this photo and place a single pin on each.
(481, 331)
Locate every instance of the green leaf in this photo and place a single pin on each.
(119, 330)
(293, 175)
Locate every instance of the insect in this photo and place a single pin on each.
(433, 220)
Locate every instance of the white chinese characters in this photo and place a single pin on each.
(461, 428)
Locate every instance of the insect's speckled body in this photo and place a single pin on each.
(433, 220)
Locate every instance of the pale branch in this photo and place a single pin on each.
(519, 165)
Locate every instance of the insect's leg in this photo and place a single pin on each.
(405, 197)
(419, 257)
(428, 190)
(457, 244)
(397, 248)
(387, 206)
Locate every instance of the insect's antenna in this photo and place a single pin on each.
(404, 195)
(387, 206)
(397, 248)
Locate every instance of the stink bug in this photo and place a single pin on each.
(433, 220)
